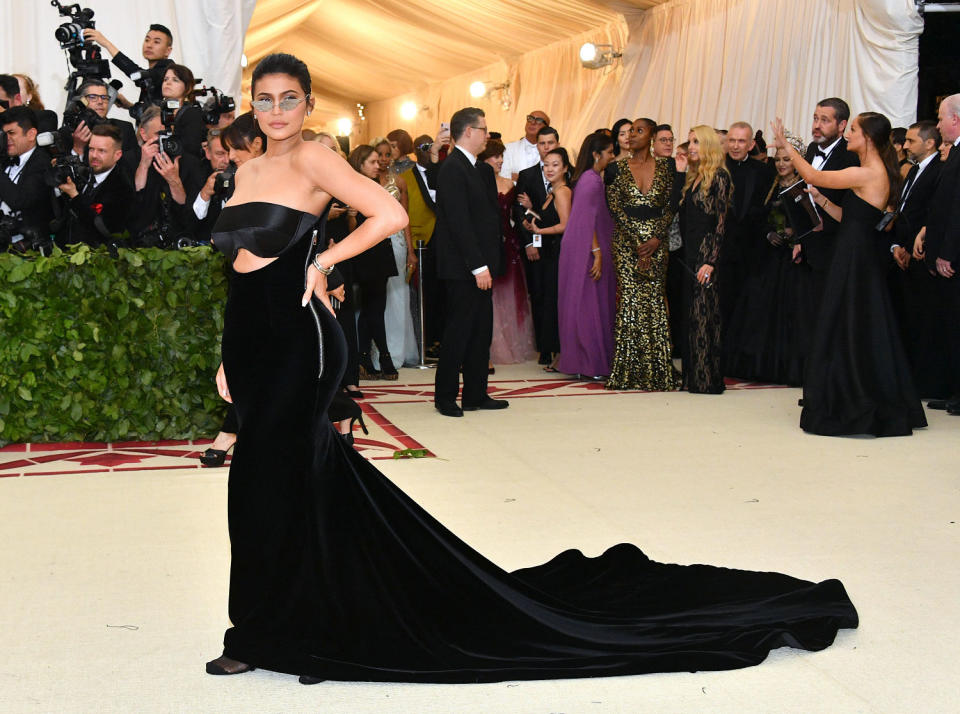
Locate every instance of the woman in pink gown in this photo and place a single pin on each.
(587, 289)
(512, 320)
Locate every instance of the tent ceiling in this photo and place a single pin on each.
(367, 50)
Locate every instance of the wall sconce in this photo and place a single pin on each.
(409, 110)
(486, 89)
(344, 127)
(597, 56)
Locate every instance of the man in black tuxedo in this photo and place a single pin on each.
(912, 287)
(531, 195)
(745, 247)
(940, 247)
(467, 241)
(827, 152)
(97, 213)
(23, 190)
(207, 203)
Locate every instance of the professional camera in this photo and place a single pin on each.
(77, 111)
(31, 238)
(70, 34)
(224, 183)
(84, 56)
(167, 142)
(65, 163)
(216, 104)
(150, 89)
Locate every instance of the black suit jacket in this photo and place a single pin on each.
(30, 194)
(530, 182)
(100, 214)
(467, 235)
(747, 218)
(912, 215)
(129, 68)
(943, 217)
(818, 246)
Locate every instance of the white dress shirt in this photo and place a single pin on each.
(819, 161)
(517, 156)
(13, 173)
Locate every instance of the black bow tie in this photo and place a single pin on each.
(821, 153)
(13, 160)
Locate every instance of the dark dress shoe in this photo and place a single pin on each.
(449, 409)
(307, 679)
(954, 410)
(937, 404)
(488, 403)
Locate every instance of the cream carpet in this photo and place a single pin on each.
(113, 585)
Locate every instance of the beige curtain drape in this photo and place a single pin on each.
(688, 62)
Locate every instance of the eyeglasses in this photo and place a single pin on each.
(96, 97)
(287, 104)
(480, 128)
(665, 139)
(536, 120)
(424, 147)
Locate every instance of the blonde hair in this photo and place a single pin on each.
(28, 84)
(711, 159)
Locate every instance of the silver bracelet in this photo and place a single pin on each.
(319, 266)
(594, 250)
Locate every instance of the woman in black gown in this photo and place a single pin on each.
(337, 574)
(857, 378)
(707, 193)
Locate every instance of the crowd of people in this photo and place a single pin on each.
(606, 263)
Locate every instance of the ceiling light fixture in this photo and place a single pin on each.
(344, 127)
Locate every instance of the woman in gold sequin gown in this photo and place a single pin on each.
(642, 347)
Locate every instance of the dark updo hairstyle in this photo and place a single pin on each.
(876, 127)
(359, 155)
(281, 63)
(494, 147)
(565, 157)
(240, 135)
(183, 73)
(615, 132)
(594, 144)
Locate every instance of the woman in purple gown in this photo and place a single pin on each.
(587, 284)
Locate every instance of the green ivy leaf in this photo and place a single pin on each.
(25, 393)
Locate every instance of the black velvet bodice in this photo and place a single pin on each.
(265, 229)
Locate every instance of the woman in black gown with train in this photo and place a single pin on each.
(856, 378)
(336, 573)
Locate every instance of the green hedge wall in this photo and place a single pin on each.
(96, 348)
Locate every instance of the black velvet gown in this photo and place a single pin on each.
(857, 378)
(337, 574)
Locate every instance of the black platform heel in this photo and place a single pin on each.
(215, 457)
(348, 437)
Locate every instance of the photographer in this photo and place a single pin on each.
(11, 96)
(156, 51)
(162, 184)
(94, 96)
(218, 188)
(97, 213)
(22, 186)
(188, 126)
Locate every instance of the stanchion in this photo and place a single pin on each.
(423, 333)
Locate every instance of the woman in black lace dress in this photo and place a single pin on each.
(707, 193)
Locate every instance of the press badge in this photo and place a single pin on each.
(537, 240)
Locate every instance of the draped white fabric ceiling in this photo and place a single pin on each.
(685, 61)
